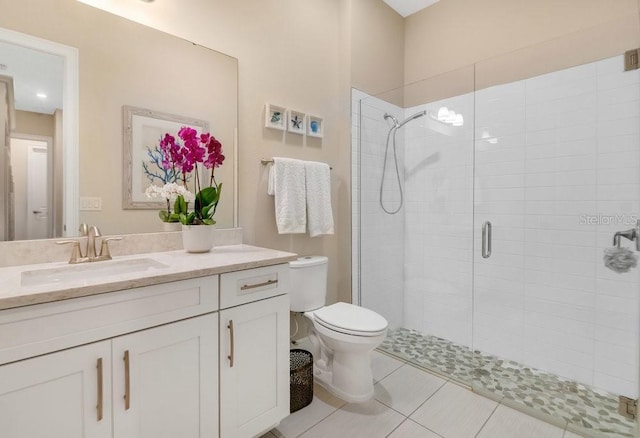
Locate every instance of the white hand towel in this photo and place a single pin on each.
(289, 190)
(318, 176)
(271, 190)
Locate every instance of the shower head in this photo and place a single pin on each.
(413, 117)
(397, 124)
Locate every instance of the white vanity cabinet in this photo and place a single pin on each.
(254, 351)
(165, 381)
(168, 334)
(203, 357)
(57, 395)
(166, 387)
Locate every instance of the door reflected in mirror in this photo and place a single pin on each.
(31, 159)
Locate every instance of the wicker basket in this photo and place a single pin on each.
(300, 379)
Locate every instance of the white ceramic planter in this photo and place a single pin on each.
(197, 238)
(171, 226)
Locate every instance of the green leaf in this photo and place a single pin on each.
(207, 202)
(166, 217)
(180, 206)
(219, 192)
(208, 210)
(187, 219)
(206, 196)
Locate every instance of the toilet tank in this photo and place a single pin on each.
(308, 281)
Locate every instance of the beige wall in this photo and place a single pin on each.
(35, 124)
(546, 35)
(377, 47)
(290, 53)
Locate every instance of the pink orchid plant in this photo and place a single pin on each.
(183, 157)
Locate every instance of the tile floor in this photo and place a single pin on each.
(546, 395)
(410, 402)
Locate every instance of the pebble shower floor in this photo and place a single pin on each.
(590, 412)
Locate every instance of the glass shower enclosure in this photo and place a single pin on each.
(492, 271)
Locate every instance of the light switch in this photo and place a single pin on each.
(90, 203)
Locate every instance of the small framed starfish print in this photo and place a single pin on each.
(296, 122)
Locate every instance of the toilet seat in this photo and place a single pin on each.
(351, 320)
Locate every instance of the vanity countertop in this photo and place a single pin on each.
(163, 267)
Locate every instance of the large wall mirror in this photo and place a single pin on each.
(100, 64)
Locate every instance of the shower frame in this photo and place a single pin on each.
(480, 214)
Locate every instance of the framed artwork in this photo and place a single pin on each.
(142, 158)
(296, 122)
(275, 117)
(315, 126)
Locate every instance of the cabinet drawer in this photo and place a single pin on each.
(44, 328)
(243, 287)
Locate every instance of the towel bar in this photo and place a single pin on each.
(265, 161)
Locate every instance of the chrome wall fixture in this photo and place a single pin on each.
(633, 235)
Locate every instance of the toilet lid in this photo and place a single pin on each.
(347, 318)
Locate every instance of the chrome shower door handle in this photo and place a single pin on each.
(486, 240)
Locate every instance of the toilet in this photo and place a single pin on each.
(342, 335)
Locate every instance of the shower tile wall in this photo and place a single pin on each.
(558, 173)
(438, 221)
(381, 248)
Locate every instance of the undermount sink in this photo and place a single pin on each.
(88, 271)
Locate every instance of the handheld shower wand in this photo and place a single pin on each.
(393, 130)
(413, 117)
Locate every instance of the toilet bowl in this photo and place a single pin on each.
(343, 364)
(342, 335)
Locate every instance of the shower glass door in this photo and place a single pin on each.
(556, 175)
(414, 267)
(508, 191)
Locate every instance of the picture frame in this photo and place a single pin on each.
(275, 117)
(142, 131)
(315, 126)
(296, 122)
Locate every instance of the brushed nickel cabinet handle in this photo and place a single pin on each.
(100, 406)
(127, 382)
(230, 357)
(253, 286)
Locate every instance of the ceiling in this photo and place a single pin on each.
(33, 73)
(408, 7)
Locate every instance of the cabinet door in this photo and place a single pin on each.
(165, 381)
(254, 367)
(58, 395)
